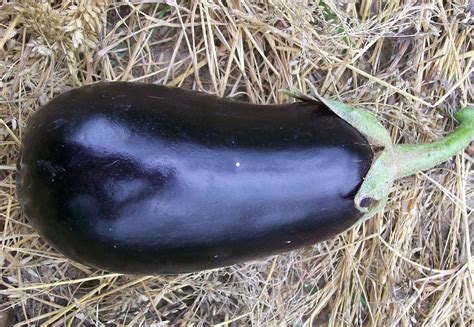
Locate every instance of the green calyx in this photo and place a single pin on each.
(394, 161)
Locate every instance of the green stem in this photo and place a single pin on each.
(412, 158)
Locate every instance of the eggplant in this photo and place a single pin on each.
(149, 179)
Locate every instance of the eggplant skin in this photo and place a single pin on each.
(148, 179)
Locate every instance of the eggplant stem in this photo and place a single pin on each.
(401, 160)
(412, 158)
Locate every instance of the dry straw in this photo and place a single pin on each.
(410, 63)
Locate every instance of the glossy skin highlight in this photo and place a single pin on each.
(144, 179)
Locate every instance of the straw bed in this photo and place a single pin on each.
(410, 64)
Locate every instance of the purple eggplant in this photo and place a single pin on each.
(146, 179)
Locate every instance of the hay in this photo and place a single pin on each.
(411, 64)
